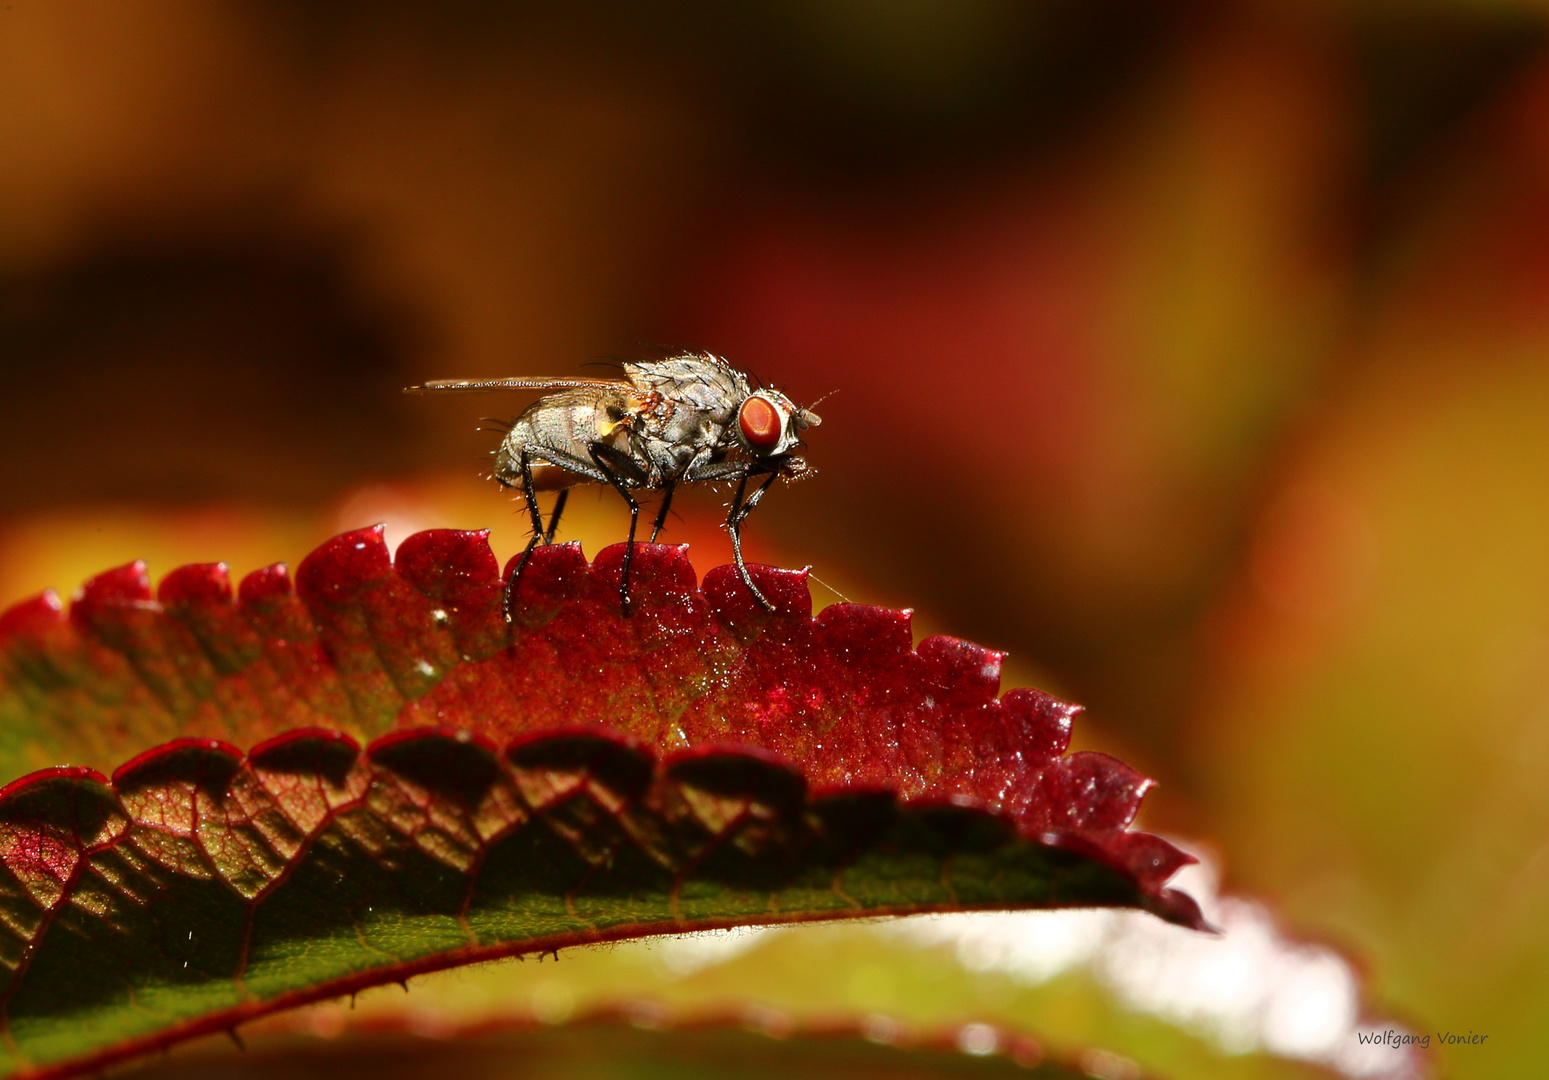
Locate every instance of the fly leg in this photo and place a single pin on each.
(615, 468)
(661, 515)
(699, 467)
(525, 464)
(740, 509)
(559, 508)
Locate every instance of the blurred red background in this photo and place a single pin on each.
(1197, 354)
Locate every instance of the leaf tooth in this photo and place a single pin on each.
(864, 636)
(734, 606)
(556, 574)
(48, 821)
(375, 625)
(116, 609)
(587, 785)
(1093, 793)
(193, 803)
(309, 774)
(456, 570)
(958, 672)
(433, 786)
(199, 598)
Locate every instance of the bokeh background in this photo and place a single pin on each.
(1195, 353)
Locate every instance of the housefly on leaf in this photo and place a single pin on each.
(686, 419)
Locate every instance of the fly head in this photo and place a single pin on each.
(770, 424)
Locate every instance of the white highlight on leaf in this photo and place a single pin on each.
(1106, 1065)
(688, 953)
(398, 510)
(978, 1039)
(552, 1002)
(1249, 988)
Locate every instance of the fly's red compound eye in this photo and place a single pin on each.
(760, 423)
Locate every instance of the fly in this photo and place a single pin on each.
(686, 419)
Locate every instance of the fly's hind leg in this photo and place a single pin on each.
(525, 463)
(615, 468)
(544, 455)
(661, 515)
(740, 509)
(559, 508)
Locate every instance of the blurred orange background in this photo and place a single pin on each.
(1196, 353)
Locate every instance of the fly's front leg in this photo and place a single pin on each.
(740, 509)
(525, 463)
(598, 450)
(661, 515)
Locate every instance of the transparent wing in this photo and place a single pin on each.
(485, 386)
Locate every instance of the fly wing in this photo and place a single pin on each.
(702, 381)
(535, 382)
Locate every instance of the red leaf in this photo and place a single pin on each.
(704, 762)
(366, 645)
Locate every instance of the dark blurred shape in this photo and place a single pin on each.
(876, 96)
(208, 368)
(1425, 70)
(854, 94)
